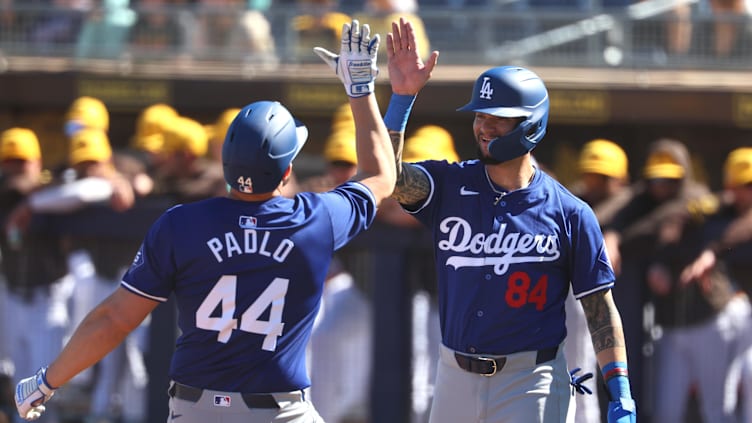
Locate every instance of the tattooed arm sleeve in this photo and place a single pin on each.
(412, 184)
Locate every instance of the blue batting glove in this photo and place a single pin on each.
(622, 410)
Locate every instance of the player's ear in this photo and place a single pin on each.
(287, 174)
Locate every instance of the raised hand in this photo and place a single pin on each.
(407, 72)
(356, 63)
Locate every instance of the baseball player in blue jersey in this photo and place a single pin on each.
(509, 242)
(247, 270)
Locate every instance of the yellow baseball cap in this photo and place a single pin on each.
(342, 119)
(430, 142)
(661, 165)
(150, 125)
(738, 168)
(89, 145)
(603, 157)
(19, 143)
(185, 134)
(88, 112)
(340, 147)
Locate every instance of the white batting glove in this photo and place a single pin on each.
(32, 393)
(356, 63)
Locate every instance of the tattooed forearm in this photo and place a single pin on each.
(603, 321)
(412, 184)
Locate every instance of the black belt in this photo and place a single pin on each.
(488, 366)
(191, 394)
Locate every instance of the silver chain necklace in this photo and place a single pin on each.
(501, 194)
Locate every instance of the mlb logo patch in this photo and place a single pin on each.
(247, 222)
(222, 401)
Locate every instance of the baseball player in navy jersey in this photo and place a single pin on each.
(509, 242)
(247, 270)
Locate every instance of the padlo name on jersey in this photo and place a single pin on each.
(251, 241)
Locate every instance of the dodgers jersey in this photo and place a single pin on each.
(504, 267)
(248, 279)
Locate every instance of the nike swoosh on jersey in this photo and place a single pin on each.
(465, 191)
(174, 416)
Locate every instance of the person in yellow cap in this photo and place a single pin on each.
(218, 131)
(728, 246)
(33, 268)
(603, 178)
(317, 23)
(149, 135)
(86, 112)
(641, 238)
(187, 174)
(341, 163)
(90, 201)
(603, 168)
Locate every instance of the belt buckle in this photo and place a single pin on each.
(493, 365)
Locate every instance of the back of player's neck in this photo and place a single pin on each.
(251, 197)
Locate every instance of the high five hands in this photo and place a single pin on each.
(407, 72)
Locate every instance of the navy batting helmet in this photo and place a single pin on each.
(260, 144)
(512, 92)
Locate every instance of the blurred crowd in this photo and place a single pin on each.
(69, 231)
(264, 32)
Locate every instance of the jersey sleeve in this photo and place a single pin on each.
(352, 209)
(151, 274)
(591, 267)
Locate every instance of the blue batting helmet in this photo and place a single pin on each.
(512, 92)
(260, 144)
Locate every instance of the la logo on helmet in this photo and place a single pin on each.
(485, 90)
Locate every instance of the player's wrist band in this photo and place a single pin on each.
(615, 374)
(398, 111)
(613, 369)
(43, 376)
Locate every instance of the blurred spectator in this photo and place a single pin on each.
(60, 24)
(728, 23)
(218, 131)
(317, 24)
(99, 248)
(226, 30)
(339, 153)
(186, 175)
(86, 112)
(701, 319)
(32, 262)
(148, 139)
(162, 30)
(679, 27)
(603, 177)
(105, 33)
(632, 236)
(727, 246)
(379, 15)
